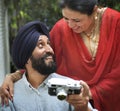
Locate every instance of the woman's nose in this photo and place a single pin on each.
(71, 24)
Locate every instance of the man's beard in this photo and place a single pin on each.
(42, 67)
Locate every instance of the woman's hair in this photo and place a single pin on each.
(82, 6)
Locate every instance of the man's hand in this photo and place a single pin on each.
(80, 101)
(6, 90)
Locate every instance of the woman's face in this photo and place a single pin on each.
(77, 21)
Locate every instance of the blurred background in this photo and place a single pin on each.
(15, 13)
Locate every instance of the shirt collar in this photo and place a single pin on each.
(43, 84)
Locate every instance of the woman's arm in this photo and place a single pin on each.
(7, 88)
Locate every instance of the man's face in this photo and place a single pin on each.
(42, 58)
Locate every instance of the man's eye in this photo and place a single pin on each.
(49, 43)
(40, 46)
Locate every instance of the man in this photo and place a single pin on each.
(31, 50)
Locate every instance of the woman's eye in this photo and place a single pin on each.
(73, 20)
(76, 20)
(65, 18)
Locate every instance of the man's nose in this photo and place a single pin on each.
(49, 49)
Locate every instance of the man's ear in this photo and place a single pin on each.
(29, 61)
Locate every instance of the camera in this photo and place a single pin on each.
(61, 87)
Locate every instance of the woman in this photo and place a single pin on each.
(86, 46)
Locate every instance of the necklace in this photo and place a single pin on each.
(88, 35)
(91, 39)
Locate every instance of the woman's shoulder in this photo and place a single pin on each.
(111, 12)
(60, 23)
(110, 15)
(59, 28)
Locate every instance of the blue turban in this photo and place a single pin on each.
(26, 41)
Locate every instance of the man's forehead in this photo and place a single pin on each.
(43, 38)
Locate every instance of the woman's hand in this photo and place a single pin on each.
(6, 90)
(80, 101)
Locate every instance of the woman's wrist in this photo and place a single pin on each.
(14, 76)
(9, 77)
(21, 71)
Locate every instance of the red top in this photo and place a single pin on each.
(102, 74)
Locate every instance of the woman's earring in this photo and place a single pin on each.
(96, 16)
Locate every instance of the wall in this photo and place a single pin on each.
(4, 42)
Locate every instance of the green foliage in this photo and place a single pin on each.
(115, 4)
(117, 7)
(48, 11)
(22, 11)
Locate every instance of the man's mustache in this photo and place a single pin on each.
(47, 55)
